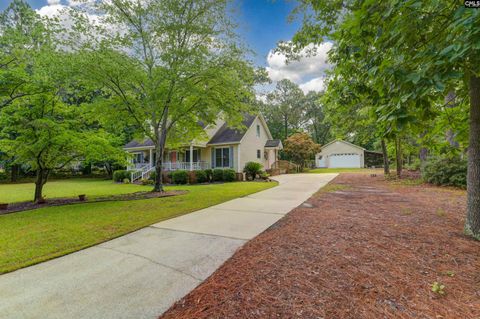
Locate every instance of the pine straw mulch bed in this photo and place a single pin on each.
(366, 249)
(22, 206)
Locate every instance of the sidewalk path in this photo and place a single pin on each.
(140, 275)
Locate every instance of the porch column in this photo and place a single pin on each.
(151, 158)
(191, 157)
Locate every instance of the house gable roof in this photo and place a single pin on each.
(273, 143)
(344, 142)
(147, 142)
(226, 134)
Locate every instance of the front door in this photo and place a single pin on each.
(173, 157)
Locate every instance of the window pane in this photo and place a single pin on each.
(218, 157)
(226, 157)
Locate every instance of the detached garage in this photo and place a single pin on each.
(341, 154)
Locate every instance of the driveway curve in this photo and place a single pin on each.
(140, 275)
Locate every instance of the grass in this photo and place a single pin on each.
(10, 193)
(345, 170)
(30, 237)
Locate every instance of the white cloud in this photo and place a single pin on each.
(315, 84)
(308, 71)
(53, 9)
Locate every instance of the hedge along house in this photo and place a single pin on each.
(225, 147)
(342, 154)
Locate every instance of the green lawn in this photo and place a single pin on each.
(34, 236)
(344, 170)
(10, 193)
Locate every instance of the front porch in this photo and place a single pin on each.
(189, 159)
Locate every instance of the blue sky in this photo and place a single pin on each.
(262, 24)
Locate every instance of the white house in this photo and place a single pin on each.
(224, 147)
(342, 154)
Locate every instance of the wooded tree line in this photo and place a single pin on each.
(289, 110)
(406, 73)
(77, 87)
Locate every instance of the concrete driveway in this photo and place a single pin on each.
(142, 274)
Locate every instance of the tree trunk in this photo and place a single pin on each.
(386, 166)
(472, 225)
(42, 177)
(109, 169)
(285, 126)
(398, 156)
(14, 173)
(161, 135)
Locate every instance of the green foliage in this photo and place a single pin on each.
(192, 71)
(217, 175)
(126, 181)
(120, 175)
(229, 175)
(153, 175)
(209, 173)
(180, 177)
(252, 169)
(448, 171)
(201, 176)
(438, 288)
(146, 181)
(300, 147)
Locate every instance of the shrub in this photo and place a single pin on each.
(153, 175)
(180, 177)
(229, 175)
(217, 175)
(3, 176)
(201, 176)
(209, 174)
(448, 171)
(120, 175)
(252, 169)
(147, 181)
(126, 181)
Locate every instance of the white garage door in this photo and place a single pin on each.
(344, 161)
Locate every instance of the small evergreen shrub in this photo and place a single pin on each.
(229, 175)
(180, 177)
(209, 173)
(153, 175)
(126, 181)
(120, 175)
(201, 176)
(217, 175)
(146, 181)
(252, 169)
(448, 171)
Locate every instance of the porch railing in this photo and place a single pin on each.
(173, 166)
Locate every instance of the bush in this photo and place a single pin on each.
(180, 177)
(209, 173)
(153, 175)
(3, 176)
(448, 171)
(217, 175)
(229, 175)
(126, 181)
(120, 175)
(201, 176)
(252, 169)
(147, 181)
